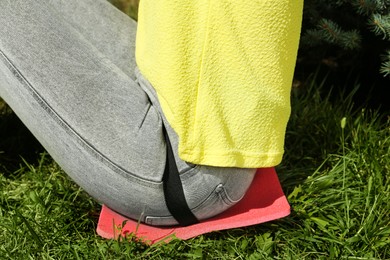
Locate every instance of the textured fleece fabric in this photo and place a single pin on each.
(222, 70)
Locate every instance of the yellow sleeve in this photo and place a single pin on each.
(222, 70)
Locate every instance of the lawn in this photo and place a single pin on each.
(335, 173)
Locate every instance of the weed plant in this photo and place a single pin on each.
(335, 174)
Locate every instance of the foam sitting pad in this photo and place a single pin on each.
(264, 201)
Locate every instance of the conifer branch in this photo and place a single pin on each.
(380, 25)
(343, 23)
(385, 68)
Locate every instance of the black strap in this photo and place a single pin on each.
(173, 190)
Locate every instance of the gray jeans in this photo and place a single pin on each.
(67, 69)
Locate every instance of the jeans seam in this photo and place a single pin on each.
(68, 129)
(145, 115)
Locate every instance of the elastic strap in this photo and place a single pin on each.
(173, 190)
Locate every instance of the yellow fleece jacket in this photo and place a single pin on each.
(222, 70)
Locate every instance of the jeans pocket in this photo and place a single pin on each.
(224, 196)
(217, 202)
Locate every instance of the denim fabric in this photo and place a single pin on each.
(67, 70)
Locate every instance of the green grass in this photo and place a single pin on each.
(336, 178)
(129, 7)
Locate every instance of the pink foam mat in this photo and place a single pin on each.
(264, 201)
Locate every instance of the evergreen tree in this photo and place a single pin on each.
(350, 27)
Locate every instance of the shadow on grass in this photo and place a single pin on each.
(16, 142)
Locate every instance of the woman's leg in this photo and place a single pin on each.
(65, 75)
(94, 120)
(105, 27)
